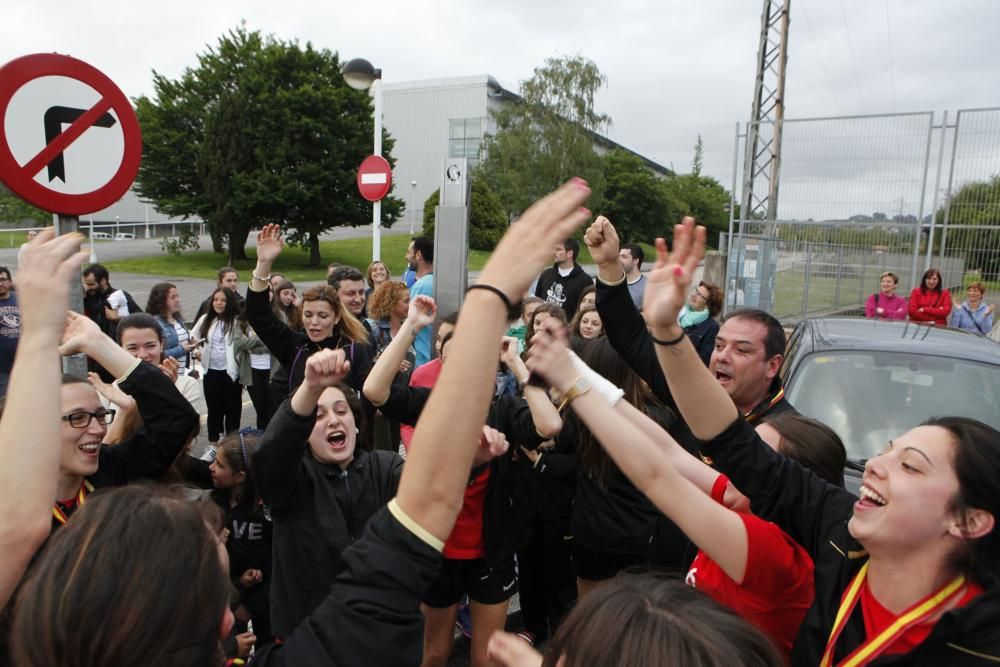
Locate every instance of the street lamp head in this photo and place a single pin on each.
(360, 74)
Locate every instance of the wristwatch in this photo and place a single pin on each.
(579, 387)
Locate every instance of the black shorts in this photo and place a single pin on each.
(475, 578)
(600, 565)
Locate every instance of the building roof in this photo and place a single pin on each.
(497, 91)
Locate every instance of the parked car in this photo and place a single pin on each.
(100, 235)
(871, 380)
(124, 236)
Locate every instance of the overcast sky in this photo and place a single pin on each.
(675, 69)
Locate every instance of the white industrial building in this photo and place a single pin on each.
(435, 119)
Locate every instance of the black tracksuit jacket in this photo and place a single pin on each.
(318, 511)
(371, 614)
(815, 514)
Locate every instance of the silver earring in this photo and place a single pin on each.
(357, 430)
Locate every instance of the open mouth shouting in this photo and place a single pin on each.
(723, 376)
(337, 440)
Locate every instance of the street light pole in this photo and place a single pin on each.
(362, 75)
(377, 205)
(413, 199)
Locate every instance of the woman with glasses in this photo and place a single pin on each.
(697, 318)
(86, 463)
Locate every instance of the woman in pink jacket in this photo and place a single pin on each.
(929, 303)
(886, 304)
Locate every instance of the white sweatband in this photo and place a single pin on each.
(603, 386)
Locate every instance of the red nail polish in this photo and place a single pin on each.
(579, 181)
(678, 271)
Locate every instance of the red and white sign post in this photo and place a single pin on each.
(374, 183)
(69, 143)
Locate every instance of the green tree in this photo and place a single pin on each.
(697, 162)
(487, 220)
(548, 135)
(974, 206)
(260, 131)
(706, 200)
(13, 209)
(640, 205)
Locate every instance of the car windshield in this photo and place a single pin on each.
(870, 397)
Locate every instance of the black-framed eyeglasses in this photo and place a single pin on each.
(82, 419)
(699, 295)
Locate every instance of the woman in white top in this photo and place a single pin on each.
(223, 392)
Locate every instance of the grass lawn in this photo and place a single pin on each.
(293, 261)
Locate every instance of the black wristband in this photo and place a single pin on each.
(668, 343)
(491, 288)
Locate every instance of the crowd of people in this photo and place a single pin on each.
(604, 447)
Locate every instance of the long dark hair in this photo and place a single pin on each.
(812, 443)
(291, 314)
(977, 467)
(98, 594)
(927, 274)
(602, 357)
(229, 314)
(157, 302)
(238, 450)
(652, 620)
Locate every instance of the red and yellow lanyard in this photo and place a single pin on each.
(873, 647)
(81, 498)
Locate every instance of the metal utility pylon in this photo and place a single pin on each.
(762, 158)
(763, 151)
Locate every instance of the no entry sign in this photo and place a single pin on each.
(69, 139)
(374, 178)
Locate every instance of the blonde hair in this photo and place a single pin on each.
(347, 325)
(385, 297)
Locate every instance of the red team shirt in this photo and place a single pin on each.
(466, 539)
(777, 588)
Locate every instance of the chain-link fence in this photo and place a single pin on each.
(863, 195)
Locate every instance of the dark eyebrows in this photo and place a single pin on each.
(926, 458)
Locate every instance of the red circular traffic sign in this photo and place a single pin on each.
(60, 91)
(374, 178)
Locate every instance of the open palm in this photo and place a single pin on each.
(667, 284)
(269, 243)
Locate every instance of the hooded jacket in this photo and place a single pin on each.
(815, 514)
(318, 511)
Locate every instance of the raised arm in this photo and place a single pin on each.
(278, 460)
(436, 472)
(779, 489)
(168, 419)
(655, 469)
(30, 427)
(702, 402)
(420, 315)
(623, 323)
(280, 340)
(546, 418)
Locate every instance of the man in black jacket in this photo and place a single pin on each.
(749, 347)
(563, 282)
(748, 352)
